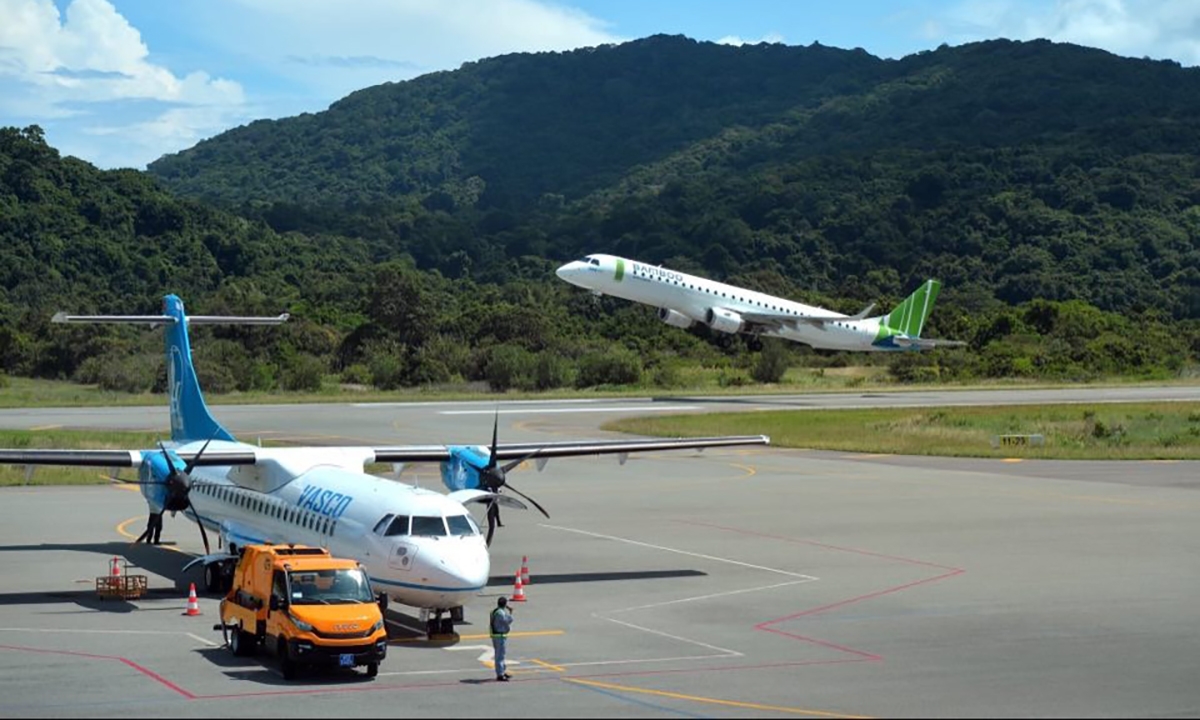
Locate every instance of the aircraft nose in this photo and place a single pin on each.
(569, 272)
(463, 566)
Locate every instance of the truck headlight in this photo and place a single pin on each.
(303, 626)
(377, 627)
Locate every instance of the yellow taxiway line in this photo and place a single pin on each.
(714, 701)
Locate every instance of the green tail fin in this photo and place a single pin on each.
(909, 316)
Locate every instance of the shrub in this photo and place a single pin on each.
(616, 366)
(552, 371)
(388, 367)
(508, 367)
(772, 363)
(303, 372)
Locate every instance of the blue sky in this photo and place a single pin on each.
(121, 82)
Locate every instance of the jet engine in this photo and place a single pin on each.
(674, 319)
(723, 320)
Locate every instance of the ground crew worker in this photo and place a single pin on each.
(153, 530)
(501, 623)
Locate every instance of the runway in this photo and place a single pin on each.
(729, 583)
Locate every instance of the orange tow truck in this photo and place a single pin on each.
(307, 607)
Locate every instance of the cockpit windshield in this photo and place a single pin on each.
(329, 587)
(428, 526)
(462, 525)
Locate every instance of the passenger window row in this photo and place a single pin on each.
(270, 506)
(778, 308)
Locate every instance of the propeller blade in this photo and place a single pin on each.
(515, 463)
(203, 534)
(535, 502)
(493, 516)
(192, 463)
(495, 433)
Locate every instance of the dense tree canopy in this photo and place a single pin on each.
(412, 229)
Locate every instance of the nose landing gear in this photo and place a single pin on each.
(441, 628)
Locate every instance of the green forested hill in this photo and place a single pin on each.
(1011, 170)
(412, 229)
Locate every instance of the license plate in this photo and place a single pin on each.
(346, 659)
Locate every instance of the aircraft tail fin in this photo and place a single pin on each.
(909, 316)
(190, 418)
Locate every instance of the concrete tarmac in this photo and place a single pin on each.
(729, 583)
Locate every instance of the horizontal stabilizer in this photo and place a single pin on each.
(62, 317)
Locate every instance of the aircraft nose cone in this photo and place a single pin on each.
(464, 568)
(562, 271)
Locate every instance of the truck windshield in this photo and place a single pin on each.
(329, 587)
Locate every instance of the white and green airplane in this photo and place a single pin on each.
(683, 300)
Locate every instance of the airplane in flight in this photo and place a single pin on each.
(684, 300)
(421, 548)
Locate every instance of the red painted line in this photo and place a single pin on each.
(125, 661)
(766, 626)
(814, 543)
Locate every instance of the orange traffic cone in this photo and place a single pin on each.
(519, 590)
(115, 570)
(193, 607)
(524, 570)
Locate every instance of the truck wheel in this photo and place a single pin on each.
(286, 663)
(372, 669)
(242, 643)
(212, 578)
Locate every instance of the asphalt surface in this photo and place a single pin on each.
(739, 582)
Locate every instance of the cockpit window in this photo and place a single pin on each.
(429, 526)
(587, 259)
(399, 526)
(595, 262)
(461, 525)
(383, 524)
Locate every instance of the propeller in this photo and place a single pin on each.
(493, 477)
(179, 486)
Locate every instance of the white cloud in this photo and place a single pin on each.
(1135, 28)
(89, 78)
(339, 47)
(736, 41)
(90, 60)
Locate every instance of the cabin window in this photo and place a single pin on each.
(460, 525)
(428, 526)
(383, 523)
(399, 526)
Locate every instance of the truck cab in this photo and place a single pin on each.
(307, 607)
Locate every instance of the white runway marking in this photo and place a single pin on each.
(722, 652)
(570, 410)
(475, 402)
(702, 556)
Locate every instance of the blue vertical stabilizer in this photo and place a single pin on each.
(190, 418)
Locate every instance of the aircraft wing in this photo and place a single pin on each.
(568, 448)
(777, 320)
(116, 458)
(396, 454)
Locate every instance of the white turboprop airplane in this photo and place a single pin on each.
(421, 548)
(683, 300)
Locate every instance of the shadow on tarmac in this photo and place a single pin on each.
(134, 559)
